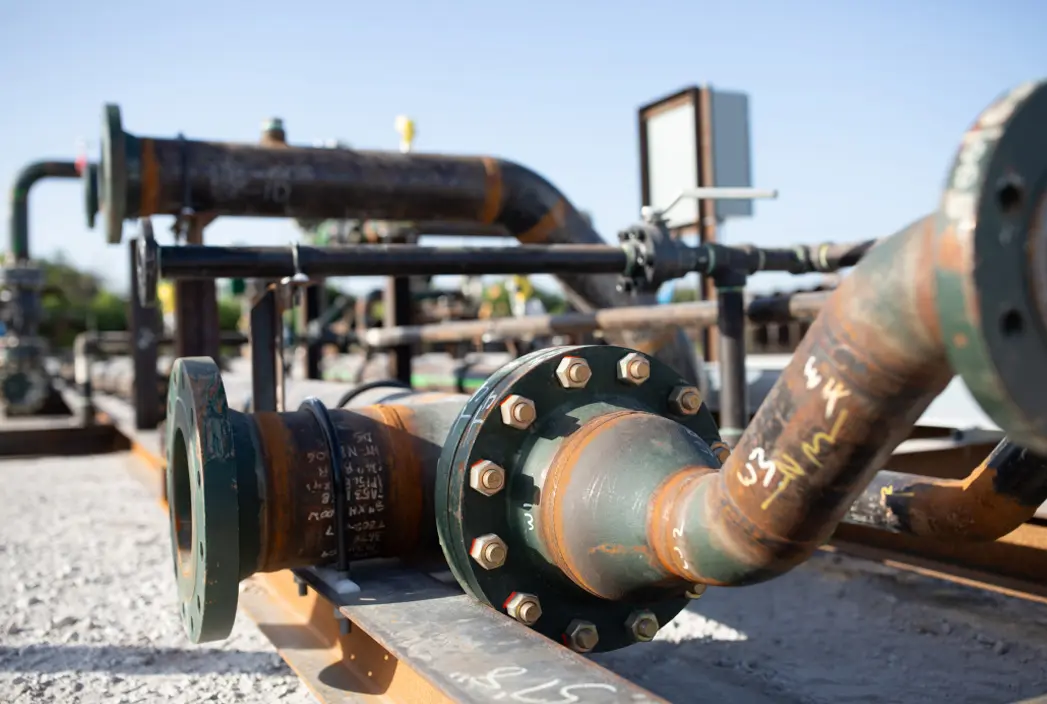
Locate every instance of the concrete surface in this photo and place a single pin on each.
(89, 616)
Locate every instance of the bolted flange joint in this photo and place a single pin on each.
(634, 369)
(518, 412)
(573, 372)
(523, 607)
(642, 625)
(581, 636)
(486, 477)
(685, 400)
(489, 551)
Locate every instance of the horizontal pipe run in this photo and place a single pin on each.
(204, 262)
(1001, 494)
(772, 309)
(29, 175)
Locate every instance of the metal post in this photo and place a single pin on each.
(265, 341)
(196, 310)
(734, 387)
(144, 324)
(396, 311)
(313, 305)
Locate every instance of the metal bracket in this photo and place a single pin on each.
(653, 215)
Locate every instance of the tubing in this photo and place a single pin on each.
(1002, 493)
(771, 309)
(142, 177)
(18, 244)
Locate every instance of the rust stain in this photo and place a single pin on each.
(959, 340)
(665, 516)
(405, 474)
(550, 223)
(277, 516)
(617, 549)
(493, 191)
(150, 179)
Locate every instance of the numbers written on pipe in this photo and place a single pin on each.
(511, 684)
(783, 469)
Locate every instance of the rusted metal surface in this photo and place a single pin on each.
(801, 306)
(1002, 493)
(39, 437)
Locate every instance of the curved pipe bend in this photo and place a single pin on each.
(18, 244)
(1001, 494)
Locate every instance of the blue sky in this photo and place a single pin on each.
(856, 107)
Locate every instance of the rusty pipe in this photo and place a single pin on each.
(882, 349)
(18, 244)
(1002, 493)
(145, 176)
(770, 309)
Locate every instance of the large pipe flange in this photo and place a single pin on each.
(202, 492)
(992, 263)
(557, 451)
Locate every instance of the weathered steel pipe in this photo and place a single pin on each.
(142, 176)
(873, 361)
(770, 309)
(18, 245)
(255, 492)
(1001, 494)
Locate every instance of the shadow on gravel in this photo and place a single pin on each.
(134, 660)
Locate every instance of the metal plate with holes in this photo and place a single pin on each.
(480, 434)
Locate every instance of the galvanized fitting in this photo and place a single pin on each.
(634, 369)
(573, 373)
(643, 625)
(486, 477)
(525, 608)
(518, 412)
(489, 551)
(685, 400)
(581, 636)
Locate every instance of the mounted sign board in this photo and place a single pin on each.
(695, 138)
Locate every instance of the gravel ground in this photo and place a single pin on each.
(89, 616)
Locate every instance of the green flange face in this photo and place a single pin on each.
(202, 499)
(991, 321)
(113, 171)
(463, 513)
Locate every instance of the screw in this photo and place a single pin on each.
(344, 626)
(721, 450)
(486, 477)
(685, 400)
(573, 372)
(643, 625)
(581, 636)
(303, 588)
(518, 412)
(634, 369)
(696, 591)
(524, 608)
(489, 551)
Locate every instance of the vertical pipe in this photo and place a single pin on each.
(397, 312)
(24, 181)
(144, 327)
(196, 311)
(264, 333)
(734, 412)
(314, 302)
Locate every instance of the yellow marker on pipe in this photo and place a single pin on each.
(405, 126)
(165, 295)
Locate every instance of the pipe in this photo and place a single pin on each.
(770, 309)
(18, 244)
(952, 289)
(1001, 494)
(143, 176)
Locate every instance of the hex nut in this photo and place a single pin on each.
(518, 412)
(634, 369)
(525, 608)
(643, 625)
(573, 373)
(487, 477)
(721, 450)
(581, 636)
(685, 400)
(489, 551)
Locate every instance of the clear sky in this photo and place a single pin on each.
(856, 107)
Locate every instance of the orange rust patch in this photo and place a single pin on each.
(663, 512)
(550, 223)
(276, 517)
(959, 340)
(493, 191)
(150, 179)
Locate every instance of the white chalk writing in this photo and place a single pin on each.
(531, 690)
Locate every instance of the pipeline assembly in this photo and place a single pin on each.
(586, 491)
